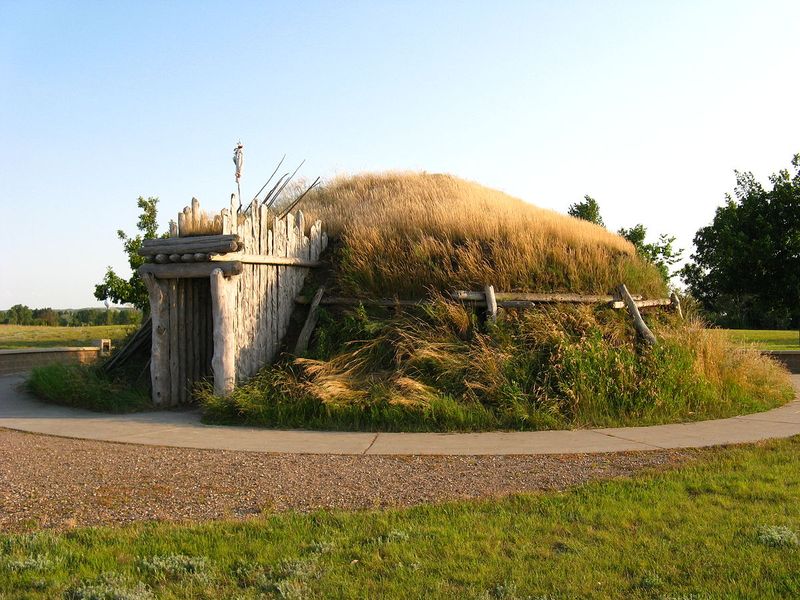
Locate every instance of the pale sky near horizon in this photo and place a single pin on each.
(647, 106)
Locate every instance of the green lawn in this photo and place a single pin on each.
(724, 526)
(768, 339)
(32, 336)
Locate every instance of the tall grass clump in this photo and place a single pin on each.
(439, 368)
(400, 234)
(85, 386)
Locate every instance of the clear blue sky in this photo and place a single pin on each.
(647, 106)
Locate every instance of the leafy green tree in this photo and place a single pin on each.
(19, 314)
(132, 290)
(745, 270)
(588, 210)
(45, 316)
(661, 253)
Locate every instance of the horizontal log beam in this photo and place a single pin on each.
(332, 300)
(190, 245)
(190, 270)
(264, 259)
(533, 297)
(653, 302)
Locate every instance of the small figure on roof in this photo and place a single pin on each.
(238, 160)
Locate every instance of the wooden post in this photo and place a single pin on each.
(311, 321)
(223, 362)
(174, 353)
(159, 352)
(196, 216)
(491, 304)
(676, 304)
(638, 323)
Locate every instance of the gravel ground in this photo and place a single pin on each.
(59, 483)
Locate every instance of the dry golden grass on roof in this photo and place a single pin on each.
(402, 234)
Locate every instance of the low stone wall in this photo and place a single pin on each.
(24, 359)
(790, 358)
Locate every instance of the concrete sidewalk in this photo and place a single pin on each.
(19, 411)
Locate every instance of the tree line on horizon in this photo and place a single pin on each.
(19, 314)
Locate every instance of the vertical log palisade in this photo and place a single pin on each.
(221, 303)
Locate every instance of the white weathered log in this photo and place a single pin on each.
(638, 323)
(279, 229)
(535, 297)
(336, 300)
(189, 270)
(197, 216)
(676, 304)
(491, 304)
(181, 245)
(272, 290)
(311, 321)
(225, 215)
(260, 259)
(182, 227)
(181, 346)
(159, 349)
(223, 361)
(187, 220)
(174, 351)
(173, 229)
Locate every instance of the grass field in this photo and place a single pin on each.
(767, 339)
(723, 526)
(32, 336)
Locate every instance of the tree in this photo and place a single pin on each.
(661, 253)
(45, 316)
(745, 270)
(588, 210)
(19, 314)
(132, 290)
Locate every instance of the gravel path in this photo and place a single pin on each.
(59, 483)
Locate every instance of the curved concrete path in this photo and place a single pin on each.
(183, 429)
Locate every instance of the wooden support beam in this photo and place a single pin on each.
(183, 245)
(638, 323)
(189, 270)
(222, 309)
(532, 297)
(676, 304)
(392, 302)
(263, 259)
(311, 321)
(491, 304)
(159, 348)
(333, 300)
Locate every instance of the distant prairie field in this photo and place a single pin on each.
(767, 339)
(36, 336)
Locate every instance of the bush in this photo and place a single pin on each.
(83, 386)
(778, 536)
